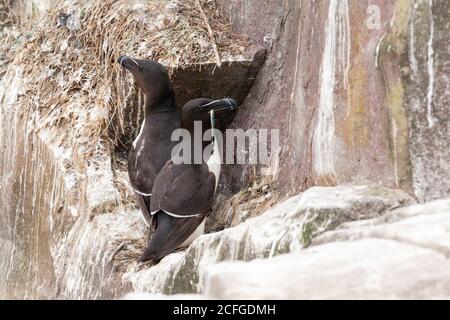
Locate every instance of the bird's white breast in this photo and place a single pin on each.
(140, 134)
(214, 162)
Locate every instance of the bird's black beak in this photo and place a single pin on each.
(129, 63)
(219, 105)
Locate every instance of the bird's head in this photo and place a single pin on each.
(199, 110)
(150, 76)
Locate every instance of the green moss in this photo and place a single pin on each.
(314, 222)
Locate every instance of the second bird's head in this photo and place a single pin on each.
(149, 75)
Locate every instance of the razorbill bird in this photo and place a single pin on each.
(183, 194)
(152, 147)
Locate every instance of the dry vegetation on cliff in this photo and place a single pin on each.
(68, 60)
(7, 15)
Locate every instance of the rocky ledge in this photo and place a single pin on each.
(288, 227)
(401, 254)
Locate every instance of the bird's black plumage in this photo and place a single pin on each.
(198, 110)
(182, 196)
(152, 148)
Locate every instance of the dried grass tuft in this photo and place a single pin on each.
(71, 77)
(7, 14)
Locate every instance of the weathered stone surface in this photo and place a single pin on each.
(354, 102)
(402, 255)
(331, 103)
(87, 262)
(427, 96)
(48, 237)
(360, 90)
(30, 11)
(425, 225)
(233, 79)
(367, 269)
(229, 211)
(287, 227)
(35, 203)
(148, 296)
(57, 193)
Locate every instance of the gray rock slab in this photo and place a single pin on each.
(367, 269)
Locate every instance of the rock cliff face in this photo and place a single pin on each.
(358, 89)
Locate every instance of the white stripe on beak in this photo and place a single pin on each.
(121, 60)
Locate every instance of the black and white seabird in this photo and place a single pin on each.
(153, 146)
(183, 195)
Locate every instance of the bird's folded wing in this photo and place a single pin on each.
(183, 190)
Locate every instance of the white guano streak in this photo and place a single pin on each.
(138, 154)
(336, 59)
(214, 163)
(430, 70)
(140, 133)
(412, 45)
